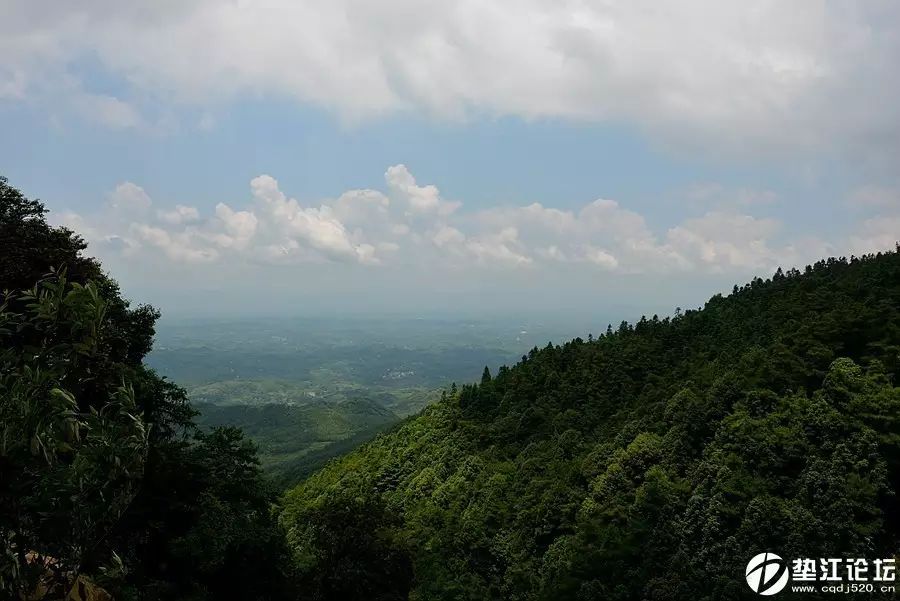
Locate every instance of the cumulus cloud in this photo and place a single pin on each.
(179, 247)
(299, 230)
(130, 198)
(238, 227)
(361, 205)
(724, 240)
(600, 233)
(406, 226)
(418, 199)
(449, 237)
(780, 74)
(497, 248)
(600, 257)
(180, 214)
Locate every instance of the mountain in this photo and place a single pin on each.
(650, 463)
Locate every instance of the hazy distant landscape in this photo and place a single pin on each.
(307, 389)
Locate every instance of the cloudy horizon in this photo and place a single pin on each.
(424, 157)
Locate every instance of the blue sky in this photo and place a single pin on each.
(393, 156)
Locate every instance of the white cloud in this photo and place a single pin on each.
(877, 234)
(354, 203)
(130, 198)
(239, 227)
(177, 247)
(500, 248)
(418, 199)
(601, 233)
(725, 240)
(73, 221)
(760, 75)
(180, 214)
(449, 237)
(298, 229)
(108, 110)
(370, 227)
(265, 188)
(503, 247)
(600, 257)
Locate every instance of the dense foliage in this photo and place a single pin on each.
(102, 471)
(650, 463)
(68, 473)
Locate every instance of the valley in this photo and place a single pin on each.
(305, 390)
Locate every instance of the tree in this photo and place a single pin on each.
(67, 474)
(30, 248)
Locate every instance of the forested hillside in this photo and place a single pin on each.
(294, 440)
(650, 463)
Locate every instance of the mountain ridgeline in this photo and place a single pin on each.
(649, 463)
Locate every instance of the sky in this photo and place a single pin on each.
(548, 159)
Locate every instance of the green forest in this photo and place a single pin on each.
(649, 462)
